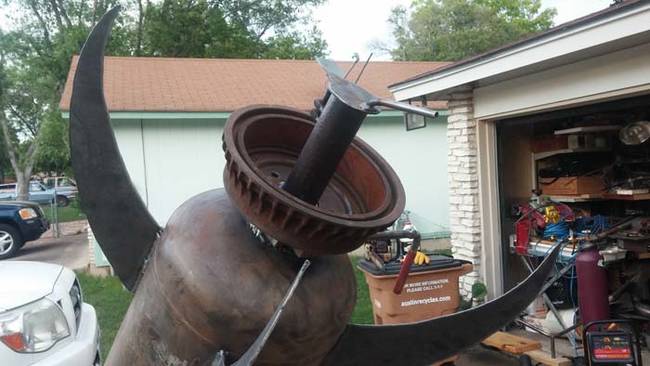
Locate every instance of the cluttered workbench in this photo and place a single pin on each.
(590, 199)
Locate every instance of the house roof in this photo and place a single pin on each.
(568, 39)
(152, 84)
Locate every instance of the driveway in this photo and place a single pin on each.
(70, 250)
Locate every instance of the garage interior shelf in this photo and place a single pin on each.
(588, 129)
(627, 197)
(601, 197)
(580, 198)
(548, 154)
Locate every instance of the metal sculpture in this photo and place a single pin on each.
(206, 287)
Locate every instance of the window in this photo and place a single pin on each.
(35, 187)
(7, 188)
(66, 182)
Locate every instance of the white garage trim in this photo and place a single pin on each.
(488, 184)
(625, 72)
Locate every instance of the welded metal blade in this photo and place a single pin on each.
(430, 341)
(330, 67)
(119, 219)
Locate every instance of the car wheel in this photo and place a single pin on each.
(10, 241)
(62, 201)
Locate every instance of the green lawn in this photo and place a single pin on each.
(362, 313)
(111, 300)
(70, 213)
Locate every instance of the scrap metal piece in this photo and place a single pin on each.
(360, 99)
(427, 342)
(346, 105)
(262, 144)
(180, 314)
(332, 68)
(120, 221)
(323, 150)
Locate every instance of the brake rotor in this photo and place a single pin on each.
(262, 144)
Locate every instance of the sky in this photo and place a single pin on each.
(350, 26)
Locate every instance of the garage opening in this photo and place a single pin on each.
(581, 171)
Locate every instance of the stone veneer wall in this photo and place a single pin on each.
(464, 217)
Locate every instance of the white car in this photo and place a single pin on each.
(43, 319)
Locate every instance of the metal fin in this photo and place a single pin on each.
(249, 357)
(119, 219)
(430, 341)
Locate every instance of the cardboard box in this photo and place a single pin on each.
(564, 186)
(549, 143)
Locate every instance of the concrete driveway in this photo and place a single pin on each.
(70, 250)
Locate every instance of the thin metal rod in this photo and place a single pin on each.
(403, 107)
(559, 275)
(363, 69)
(551, 307)
(539, 330)
(552, 336)
(356, 60)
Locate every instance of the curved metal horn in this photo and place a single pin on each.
(434, 340)
(119, 219)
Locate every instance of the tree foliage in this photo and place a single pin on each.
(227, 28)
(448, 30)
(35, 55)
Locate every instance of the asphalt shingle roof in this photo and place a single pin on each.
(150, 84)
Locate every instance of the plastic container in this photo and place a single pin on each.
(430, 291)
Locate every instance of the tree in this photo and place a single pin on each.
(229, 29)
(37, 51)
(295, 46)
(19, 121)
(448, 30)
(36, 56)
(53, 151)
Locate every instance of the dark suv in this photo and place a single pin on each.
(20, 222)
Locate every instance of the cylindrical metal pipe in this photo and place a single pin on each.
(324, 149)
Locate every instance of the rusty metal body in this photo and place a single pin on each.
(210, 285)
(206, 286)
